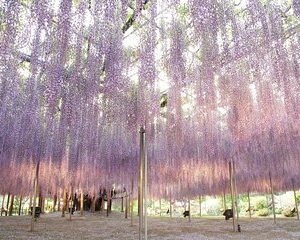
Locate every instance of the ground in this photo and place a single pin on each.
(96, 226)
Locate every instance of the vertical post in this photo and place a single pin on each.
(58, 200)
(20, 205)
(2, 205)
(249, 204)
(145, 189)
(71, 203)
(235, 193)
(160, 207)
(232, 195)
(7, 203)
(30, 202)
(189, 208)
(81, 202)
(129, 203)
(107, 203)
(54, 202)
(11, 206)
(122, 204)
(170, 204)
(224, 200)
(64, 203)
(101, 200)
(131, 210)
(93, 202)
(142, 184)
(126, 206)
(35, 195)
(272, 194)
(200, 205)
(295, 197)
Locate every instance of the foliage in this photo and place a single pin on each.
(261, 204)
(288, 213)
(263, 212)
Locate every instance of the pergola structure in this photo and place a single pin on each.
(215, 84)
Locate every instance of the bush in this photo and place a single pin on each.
(212, 212)
(278, 210)
(298, 198)
(288, 213)
(263, 212)
(261, 204)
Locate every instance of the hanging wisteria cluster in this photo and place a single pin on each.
(212, 81)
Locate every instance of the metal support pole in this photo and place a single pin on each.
(145, 190)
(2, 205)
(81, 202)
(142, 183)
(200, 205)
(11, 206)
(71, 203)
(160, 207)
(20, 205)
(37, 168)
(170, 204)
(272, 194)
(7, 204)
(189, 208)
(126, 206)
(58, 199)
(131, 207)
(64, 202)
(235, 193)
(296, 203)
(224, 200)
(249, 204)
(232, 195)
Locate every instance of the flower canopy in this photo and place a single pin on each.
(212, 81)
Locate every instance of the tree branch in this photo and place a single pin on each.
(133, 16)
